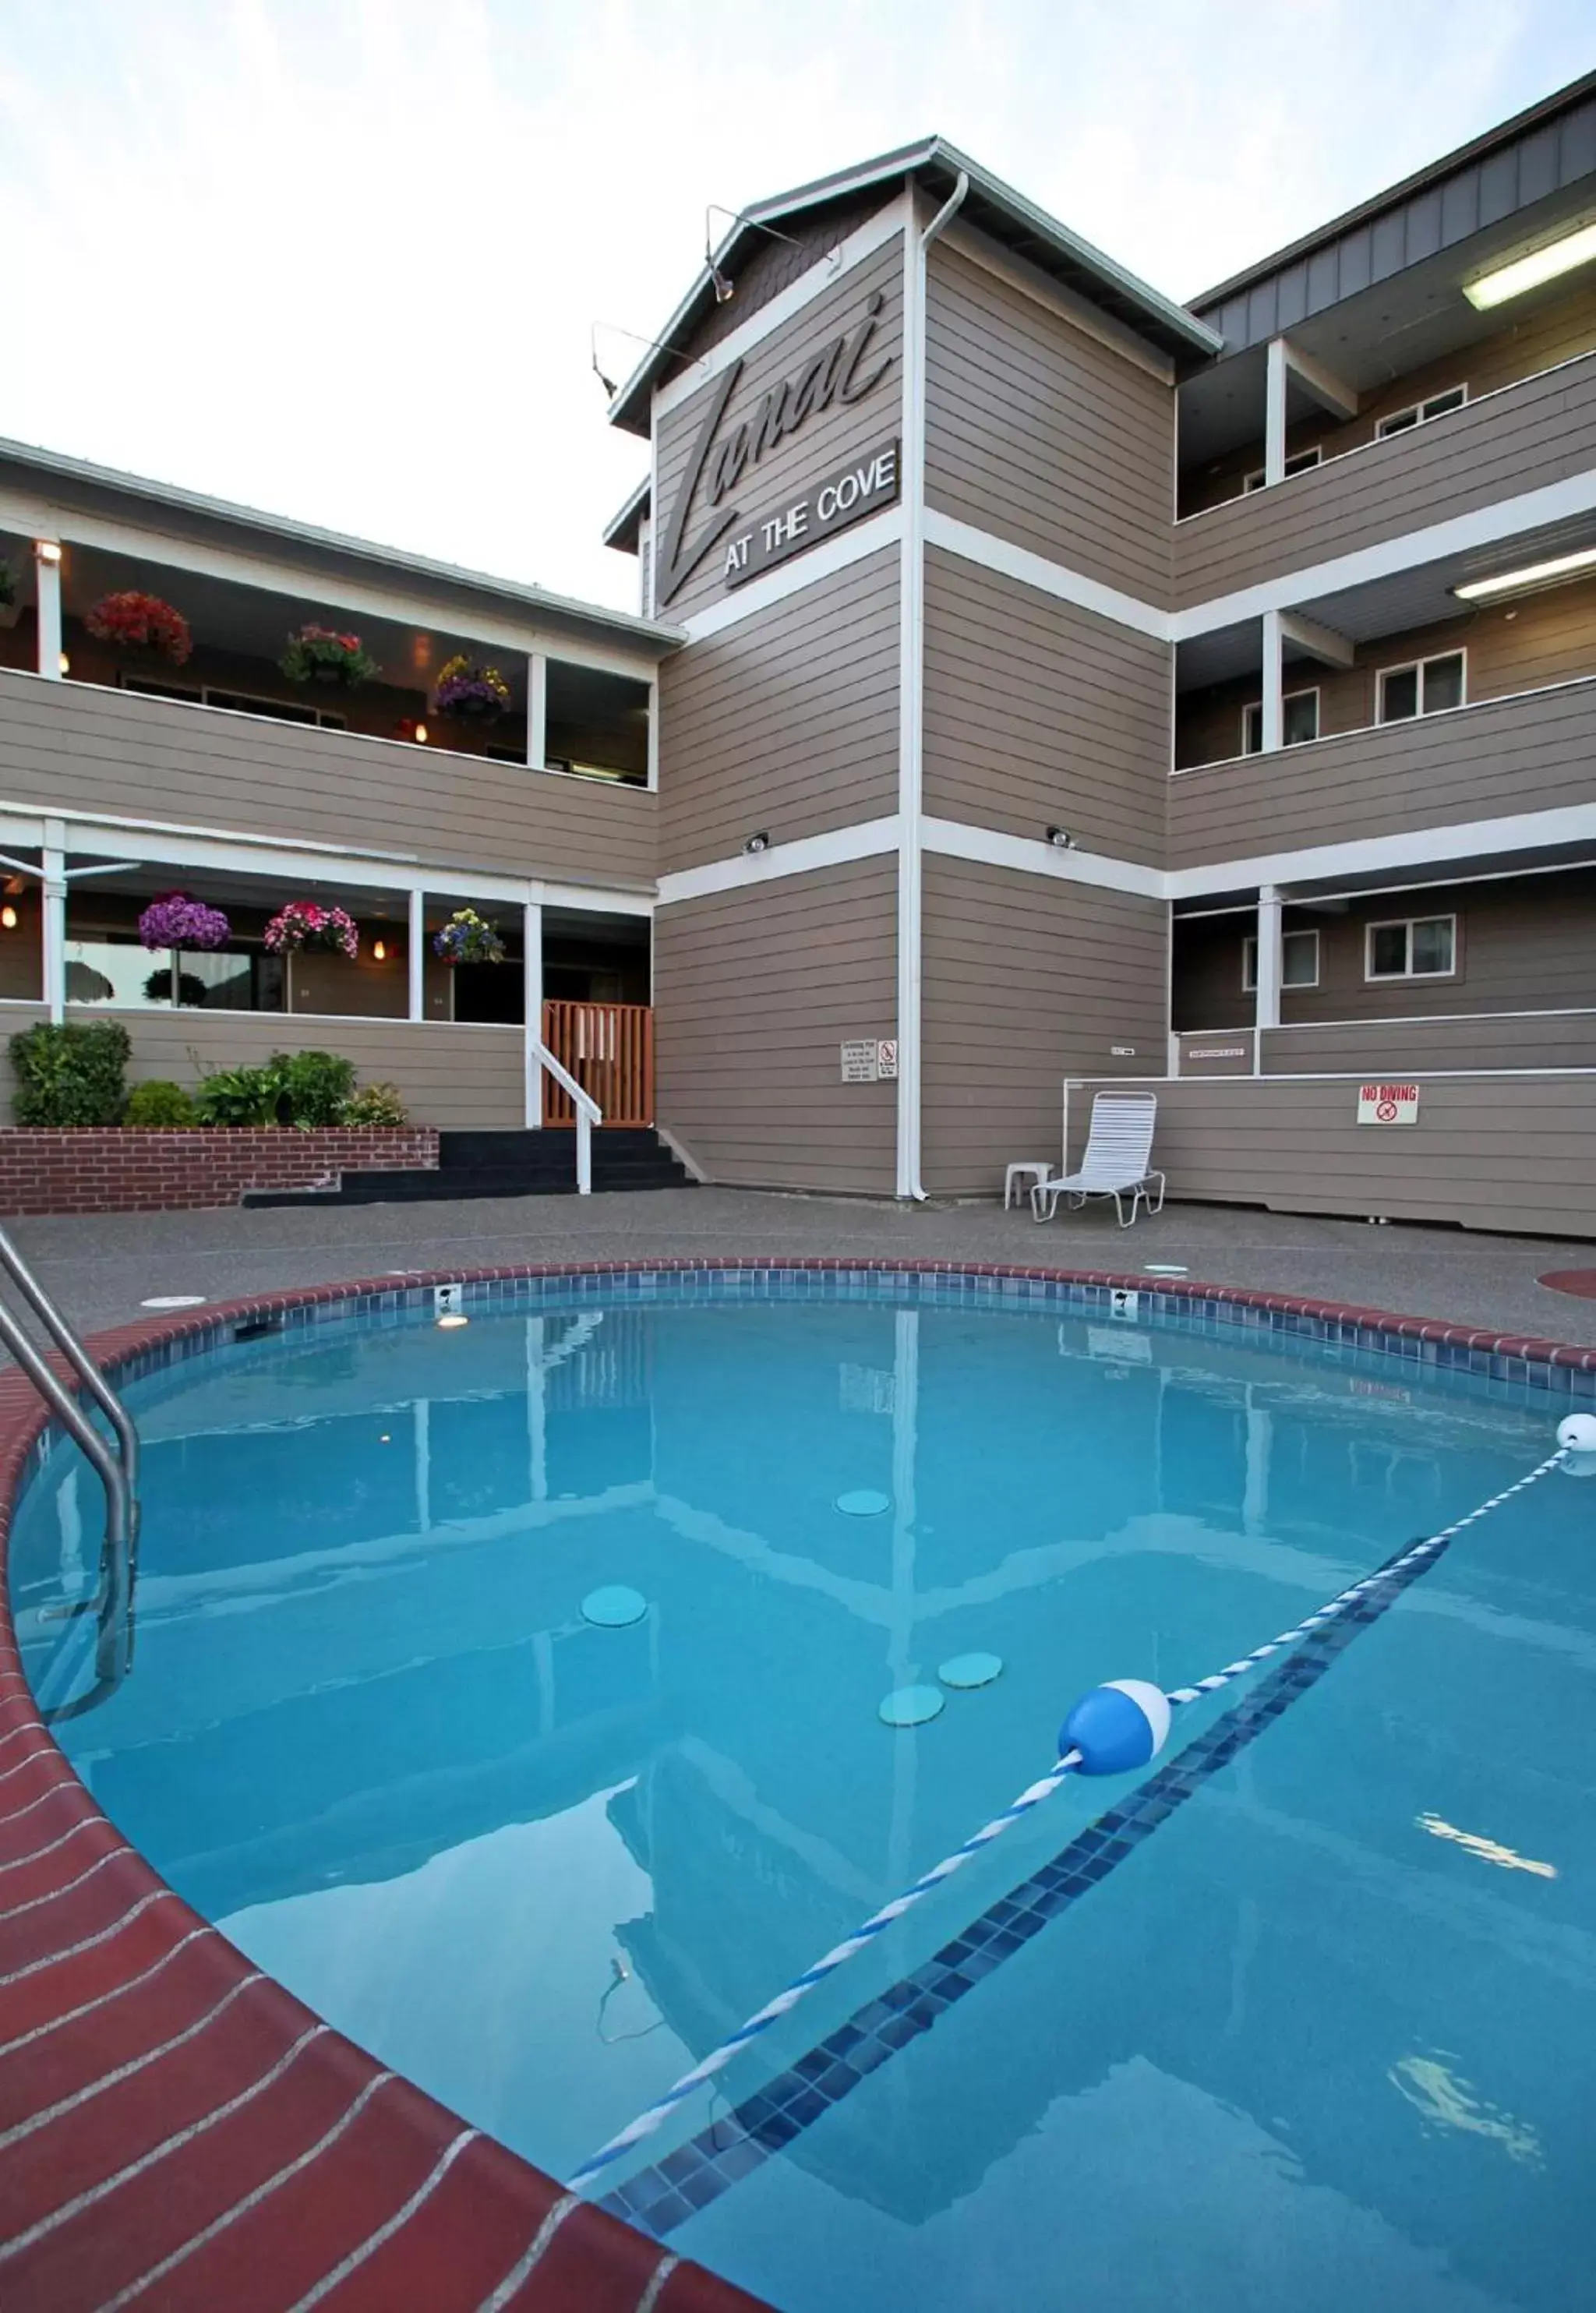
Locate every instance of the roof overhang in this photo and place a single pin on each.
(624, 528)
(990, 206)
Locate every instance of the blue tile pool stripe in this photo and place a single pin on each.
(665, 2194)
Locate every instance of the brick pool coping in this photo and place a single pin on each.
(175, 2126)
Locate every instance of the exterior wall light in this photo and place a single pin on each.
(1061, 839)
(46, 550)
(380, 951)
(421, 735)
(64, 663)
(8, 918)
(758, 841)
(1525, 273)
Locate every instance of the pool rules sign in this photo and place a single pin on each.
(1387, 1103)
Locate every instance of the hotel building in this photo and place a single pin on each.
(1037, 684)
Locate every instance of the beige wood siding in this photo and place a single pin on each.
(447, 1074)
(1040, 713)
(68, 746)
(1521, 945)
(1027, 979)
(823, 443)
(1558, 332)
(1042, 433)
(1523, 754)
(1296, 1148)
(786, 721)
(1534, 434)
(1405, 1048)
(1525, 646)
(755, 992)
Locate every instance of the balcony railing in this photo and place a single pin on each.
(1524, 436)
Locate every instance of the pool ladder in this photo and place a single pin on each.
(116, 1465)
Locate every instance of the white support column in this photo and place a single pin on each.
(1269, 969)
(653, 733)
(532, 969)
(416, 954)
(1273, 733)
(536, 711)
(46, 575)
(53, 887)
(1275, 414)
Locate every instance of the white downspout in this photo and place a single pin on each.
(911, 672)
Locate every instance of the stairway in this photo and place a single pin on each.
(503, 1164)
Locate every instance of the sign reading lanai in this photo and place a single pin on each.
(864, 487)
(841, 372)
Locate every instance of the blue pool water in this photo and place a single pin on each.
(1324, 2039)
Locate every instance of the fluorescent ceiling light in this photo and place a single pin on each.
(1529, 272)
(1534, 574)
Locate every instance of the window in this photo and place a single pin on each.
(1427, 687)
(1419, 413)
(1299, 720)
(1301, 463)
(241, 702)
(1299, 961)
(1423, 947)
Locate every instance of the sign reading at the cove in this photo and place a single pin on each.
(864, 487)
(846, 370)
(1387, 1103)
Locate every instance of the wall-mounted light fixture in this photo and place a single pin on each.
(1533, 574)
(8, 918)
(64, 663)
(46, 550)
(724, 289)
(413, 732)
(380, 951)
(1061, 839)
(1524, 273)
(758, 841)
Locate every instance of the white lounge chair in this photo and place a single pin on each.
(1116, 1163)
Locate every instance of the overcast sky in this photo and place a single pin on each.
(341, 259)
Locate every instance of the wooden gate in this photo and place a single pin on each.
(608, 1049)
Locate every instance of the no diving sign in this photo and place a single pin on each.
(1387, 1103)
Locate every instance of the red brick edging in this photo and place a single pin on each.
(132, 1169)
(171, 2118)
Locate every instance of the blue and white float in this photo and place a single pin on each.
(1118, 1726)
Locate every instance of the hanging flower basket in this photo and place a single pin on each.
(303, 928)
(322, 654)
(135, 621)
(173, 921)
(466, 939)
(470, 691)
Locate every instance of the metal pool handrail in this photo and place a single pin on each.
(117, 1472)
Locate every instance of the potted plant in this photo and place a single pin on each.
(467, 939)
(470, 691)
(322, 654)
(304, 927)
(173, 921)
(136, 621)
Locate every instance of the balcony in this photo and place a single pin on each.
(1528, 752)
(1524, 436)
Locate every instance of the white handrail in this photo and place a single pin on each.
(588, 1112)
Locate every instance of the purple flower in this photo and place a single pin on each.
(175, 920)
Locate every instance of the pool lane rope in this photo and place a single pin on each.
(1112, 1730)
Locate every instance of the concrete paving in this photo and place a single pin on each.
(102, 1269)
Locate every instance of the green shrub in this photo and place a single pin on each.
(240, 1096)
(376, 1103)
(70, 1075)
(315, 1086)
(161, 1106)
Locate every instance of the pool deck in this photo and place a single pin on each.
(102, 1269)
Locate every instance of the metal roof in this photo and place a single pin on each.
(328, 546)
(1000, 212)
(1483, 185)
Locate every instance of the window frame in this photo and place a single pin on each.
(1287, 987)
(1422, 412)
(1409, 924)
(1301, 462)
(1418, 667)
(1256, 707)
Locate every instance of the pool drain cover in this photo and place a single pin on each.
(969, 1670)
(614, 1607)
(910, 1706)
(865, 1503)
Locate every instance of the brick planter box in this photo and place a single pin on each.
(123, 1171)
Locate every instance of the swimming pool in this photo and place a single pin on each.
(1320, 2034)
